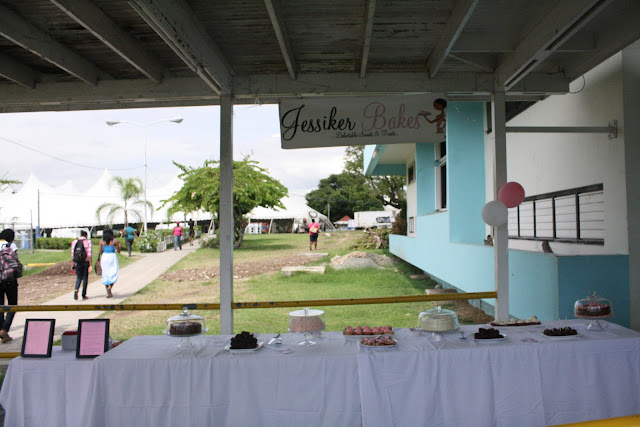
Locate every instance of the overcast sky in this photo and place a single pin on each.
(84, 145)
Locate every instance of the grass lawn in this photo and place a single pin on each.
(54, 256)
(393, 281)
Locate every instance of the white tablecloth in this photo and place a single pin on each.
(46, 391)
(148, 381)
(525, 380)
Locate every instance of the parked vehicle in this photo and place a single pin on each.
(374, 219)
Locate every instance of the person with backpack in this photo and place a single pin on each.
(81, 253)
(10, 271)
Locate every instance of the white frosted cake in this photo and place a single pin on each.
(437, 323)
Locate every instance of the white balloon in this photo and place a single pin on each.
(495, 213)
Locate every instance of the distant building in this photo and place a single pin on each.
(343, 223)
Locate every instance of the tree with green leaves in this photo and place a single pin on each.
(346, 193)
(388, 189)
(131, 189)
(252, 187)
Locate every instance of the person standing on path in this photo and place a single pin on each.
(192, 230)
(314, 230)
(177, 237)
(81, 256)
(129, 234)
(10, 271)
(109, 248)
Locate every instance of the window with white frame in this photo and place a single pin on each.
(411, 225)
(441, 175)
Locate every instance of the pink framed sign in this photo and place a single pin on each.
(93, 337)
(38, 337)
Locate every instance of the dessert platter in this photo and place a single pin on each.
(244, 342)
(379, 343)
(593, 308)
(359, 331)
(184, 326)
(489, 335)
(565, 333)
(307, 322)
(533, 320)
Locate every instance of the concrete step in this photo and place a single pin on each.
(288, 271)
(315, 254)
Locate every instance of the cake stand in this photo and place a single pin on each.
(596, 305)
(185, 340)
(594, 321)
(185, 317)
(307, 322)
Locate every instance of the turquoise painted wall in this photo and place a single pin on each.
(465, 171)
(607, 275)
(425, 179)
(533, 286)
(540, 284)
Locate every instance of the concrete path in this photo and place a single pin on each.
(131, 279)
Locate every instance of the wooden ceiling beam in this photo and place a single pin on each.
(176, 23)
(52, 96)
(273, 8)
(557, 27)
(486, 63)
(368, 35)
(458, 19)
(15, 28)
(91, 17)
(17, 72)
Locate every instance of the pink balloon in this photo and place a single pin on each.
(511, 194)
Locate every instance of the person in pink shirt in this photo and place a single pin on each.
(177, 237)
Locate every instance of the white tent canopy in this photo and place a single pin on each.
(295, 209)
(64, 206)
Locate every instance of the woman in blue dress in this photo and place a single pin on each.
(109, 248)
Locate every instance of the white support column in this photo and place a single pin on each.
(631, 103)
(500, 238)
(226, 215)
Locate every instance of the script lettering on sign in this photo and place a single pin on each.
(332, 122)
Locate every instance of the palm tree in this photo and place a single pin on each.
(130, 190)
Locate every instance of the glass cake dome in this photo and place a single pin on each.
(593, 307)
(185, 325)
(438, 320)
(306, 321)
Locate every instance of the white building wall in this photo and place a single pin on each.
(547, 162)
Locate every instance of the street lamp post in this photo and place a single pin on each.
(113, 123)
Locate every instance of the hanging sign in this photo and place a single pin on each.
(333, 122)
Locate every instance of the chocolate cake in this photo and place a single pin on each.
(185, 328)
(487, 334)
(560, 332)
(593, 309)
(244, 340)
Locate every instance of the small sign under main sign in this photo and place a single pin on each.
(334, 122)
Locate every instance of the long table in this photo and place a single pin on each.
(526, 380)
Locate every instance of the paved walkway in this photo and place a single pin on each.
(131, 279)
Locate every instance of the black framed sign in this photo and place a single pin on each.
(93, 337)
(38, 337)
